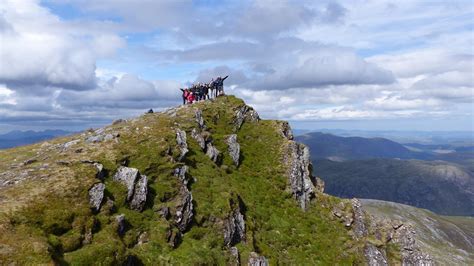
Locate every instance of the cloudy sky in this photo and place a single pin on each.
(359, 64)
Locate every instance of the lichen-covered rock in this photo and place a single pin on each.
(180, 173)
(234, 225)
(71, 143)
(244, 113)
(233, 148)
(137, 186)
(95, 138)
(234, 252)
(374, 256)
(300, 173)
(96, 195)
(182, 143)
(121, 226)
(257, 260)
(108, 137)
(184, 210)
(199, 139)
(319, 185)
(212, 152)
(128, 177)
(286, 131)
(411, 254)
(140, 193)
(359, 227)
(199, 119)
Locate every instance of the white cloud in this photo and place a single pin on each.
(311, 61)
(40, 49)
(330, 66)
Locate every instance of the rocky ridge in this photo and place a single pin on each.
(150, 190)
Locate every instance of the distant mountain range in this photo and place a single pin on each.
(328, 146)
(457, 138)
(438, 178)
(442, 187)
(19, 138)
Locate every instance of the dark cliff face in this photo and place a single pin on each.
(209, 183)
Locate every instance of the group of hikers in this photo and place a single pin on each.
(203, 91)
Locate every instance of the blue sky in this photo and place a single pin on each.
(375, 65)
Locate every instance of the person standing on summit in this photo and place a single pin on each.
(220, 85)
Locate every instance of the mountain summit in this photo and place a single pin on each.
(208, 183)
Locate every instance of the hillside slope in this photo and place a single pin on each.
(328, 146)
(442, 187)
(453, 235)
(208, 183)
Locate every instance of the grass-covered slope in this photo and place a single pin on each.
(45, 215)
(449, 239)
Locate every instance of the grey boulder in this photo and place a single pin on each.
(96, 196)
(257, 260)
(182, 143)
(137, 186)
(233, 147)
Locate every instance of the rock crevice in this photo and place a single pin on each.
(234, 225)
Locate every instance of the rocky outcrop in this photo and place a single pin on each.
(100, 135)
(137, 186)
(235, 259)
(374, 256)
(199, 119)
(182, 144)
(233, 147)
(358, 215)
(184, 209)
(244, 113)
(180, 173)
(411, 254)
(257, 260)
(319, 185)
(69, 144)
(96, 196)
(212, 152)
(139, 196)
(234, 225)
(286, 131)
(199, 139)
(299, 174)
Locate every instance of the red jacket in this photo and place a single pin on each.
(191, 98)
